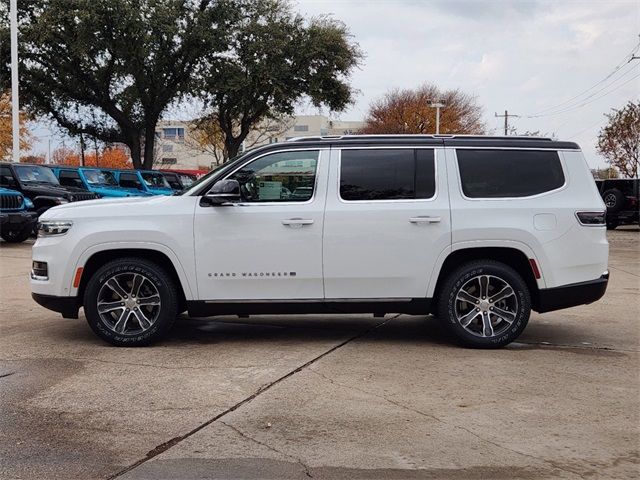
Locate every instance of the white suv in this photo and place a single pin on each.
(478, 230)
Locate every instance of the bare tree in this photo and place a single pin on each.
(207, 136)
(619, 141)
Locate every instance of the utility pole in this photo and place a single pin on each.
(506, 120)
(437, 105)
(15, 103)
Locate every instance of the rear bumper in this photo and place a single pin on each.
(566, 296)
(67, 306)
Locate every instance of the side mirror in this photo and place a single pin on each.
(223, 192)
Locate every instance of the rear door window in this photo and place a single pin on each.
(387, 174)
(508, 173)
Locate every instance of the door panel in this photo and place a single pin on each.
(383, 248)
(269, 246)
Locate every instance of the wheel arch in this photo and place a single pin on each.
(509, 255)
(99, 258)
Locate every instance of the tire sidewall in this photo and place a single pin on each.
(161, 281)
(462, 276)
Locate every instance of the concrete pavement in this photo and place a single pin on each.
(323, 397)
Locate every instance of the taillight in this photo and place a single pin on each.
(591, 219)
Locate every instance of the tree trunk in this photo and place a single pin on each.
(232, 146)
(149, 145)
(134, 149)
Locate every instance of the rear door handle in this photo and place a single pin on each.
(297, 221)
(425, 219)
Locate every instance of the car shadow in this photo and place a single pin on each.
(302, 328)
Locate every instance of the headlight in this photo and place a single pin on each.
(47, 228)
(28, 203)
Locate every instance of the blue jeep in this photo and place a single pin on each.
(97, 180)
(17, 222)
(148, 181)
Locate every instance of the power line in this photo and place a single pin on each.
(627, 59)
(579, 106)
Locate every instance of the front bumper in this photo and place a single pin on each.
(18, 221)
(67, 306)
(550, 299)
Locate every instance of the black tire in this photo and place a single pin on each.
(16, 236)
(614, 200)
(612, 224)
(448, 305)
(158, 279)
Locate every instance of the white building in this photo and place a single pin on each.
(176, 147)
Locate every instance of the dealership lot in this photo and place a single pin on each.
(323, 397)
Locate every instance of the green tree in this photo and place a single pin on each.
(619, 141)
(110, 68)
(275, 59)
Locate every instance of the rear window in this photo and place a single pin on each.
(508, 173)
(387, 174)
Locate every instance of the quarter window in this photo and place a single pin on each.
(508, 173)
(387, 174)
(280, 177)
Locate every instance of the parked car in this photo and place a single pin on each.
(40, 185)
(148, 181)
(100, 181)
(17, 219)
(478, 230)
(179, 181)
(622, 198)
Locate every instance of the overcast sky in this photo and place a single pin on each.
(523, 56)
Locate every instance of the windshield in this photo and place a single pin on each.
(155, 180)
(100, 177)
(187, 180)
(36, 174)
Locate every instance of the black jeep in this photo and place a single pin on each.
(622, 198)
(40, 185)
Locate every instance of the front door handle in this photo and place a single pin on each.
(297, 221)
(424, 219)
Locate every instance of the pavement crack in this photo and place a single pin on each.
(7, 374)
(625, 271)
(577, 347)
(273, 449)
(175, 440)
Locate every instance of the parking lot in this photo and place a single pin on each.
(323, 397)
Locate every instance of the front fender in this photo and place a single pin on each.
(158, 247)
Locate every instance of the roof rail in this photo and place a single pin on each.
(357, 136)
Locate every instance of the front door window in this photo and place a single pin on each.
(281, 177)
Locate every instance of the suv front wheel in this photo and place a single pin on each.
(484, 304)
(131, 302)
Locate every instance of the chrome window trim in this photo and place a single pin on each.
(284, 150)
(390, 147)
(527, 197)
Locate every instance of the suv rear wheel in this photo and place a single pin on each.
(484, 304)
(131, 302)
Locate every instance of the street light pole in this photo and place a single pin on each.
(437, 106)
(15, 103)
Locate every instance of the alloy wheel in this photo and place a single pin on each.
(128, 303)
(486, 306)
